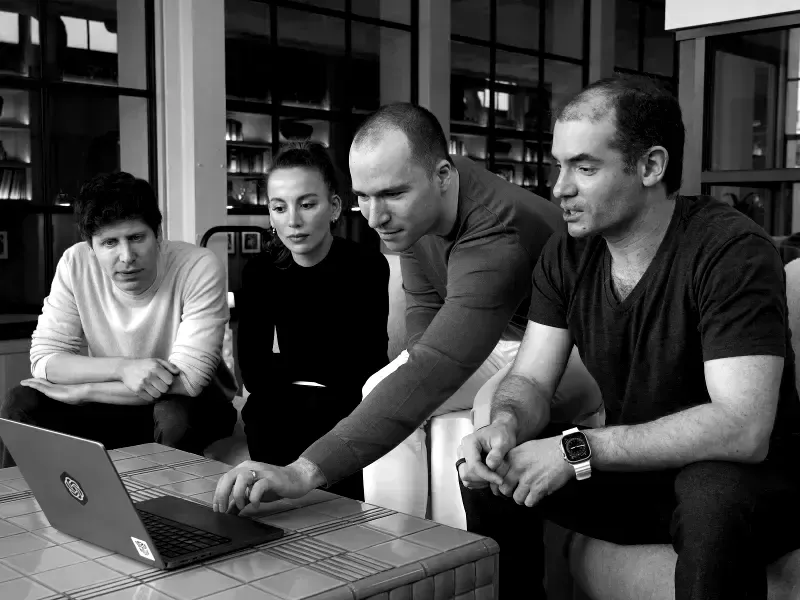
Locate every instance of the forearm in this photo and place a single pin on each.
(115, 392)
(73, 369)
(704, 432)
(520, 403)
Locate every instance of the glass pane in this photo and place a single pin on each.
(19, 38)
(95, 134)
(249, 144)
(381, 66)
(473, 146)
(247, 50)
(626, 35)
(562, 81)
(397, 11)
(65, 234)
(469, 82)
(515, 161)
(771, 206)
(99, 41)
(18, 145)
(22, 277)
(659, 45)
(518, 99)
(564, 27)
(471, 18)
(518, 23)
(311, 69)
(747, 69)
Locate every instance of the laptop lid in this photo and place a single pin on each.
(79, 490)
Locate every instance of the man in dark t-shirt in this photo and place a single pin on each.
(678, 308)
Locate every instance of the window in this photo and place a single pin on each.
(513, 65)
(641, 45)
(76, 99)
(308, 70)
(751, 156)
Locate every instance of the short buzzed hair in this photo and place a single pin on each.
(645, 115)
(425, 135)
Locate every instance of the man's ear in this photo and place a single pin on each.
(654, 166)
(444, 174)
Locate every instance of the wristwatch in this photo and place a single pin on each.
(576, 451)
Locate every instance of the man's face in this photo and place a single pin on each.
(399, 199)
(128, 253)
(596, 194)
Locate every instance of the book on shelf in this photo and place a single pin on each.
(13, 185)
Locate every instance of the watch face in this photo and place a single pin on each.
(576, 447)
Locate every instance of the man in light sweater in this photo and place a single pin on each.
(152, 313)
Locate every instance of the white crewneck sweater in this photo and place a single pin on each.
(180, 318)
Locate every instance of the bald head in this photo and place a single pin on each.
(427, 145)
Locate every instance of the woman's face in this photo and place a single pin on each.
(301, 209)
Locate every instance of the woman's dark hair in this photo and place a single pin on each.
(305, 155)
(110, 197)
(645, 115)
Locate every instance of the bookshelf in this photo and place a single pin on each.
(15, 145)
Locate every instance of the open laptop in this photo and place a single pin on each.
(81, 493)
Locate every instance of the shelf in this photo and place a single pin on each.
(254, 145)
(512, 161)
(249, 209)
(14, 164)
(247, 175)
(15, 125)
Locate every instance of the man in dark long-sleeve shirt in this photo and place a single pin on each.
(468, 243)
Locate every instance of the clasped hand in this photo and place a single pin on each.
(148, 378)
(527, 472)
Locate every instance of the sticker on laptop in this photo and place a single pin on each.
(142, 548)
(74, 488)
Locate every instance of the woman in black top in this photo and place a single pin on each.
(327, 300)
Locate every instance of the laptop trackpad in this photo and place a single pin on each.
(203, 517)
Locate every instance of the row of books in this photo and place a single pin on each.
(13, 184)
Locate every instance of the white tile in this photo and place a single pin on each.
(188, 585)
(46, 559)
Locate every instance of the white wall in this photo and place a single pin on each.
(691, 13)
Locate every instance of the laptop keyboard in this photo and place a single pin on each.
(175, 539)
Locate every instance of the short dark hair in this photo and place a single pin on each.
(110, 197)
(645, 114)
(425, 135)
(305, 155)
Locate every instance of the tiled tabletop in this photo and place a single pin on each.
(334, 548)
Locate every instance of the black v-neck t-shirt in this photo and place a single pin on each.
(715, 289)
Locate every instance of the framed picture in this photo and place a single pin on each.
(3, 244)
(231, 242)
(251, 242)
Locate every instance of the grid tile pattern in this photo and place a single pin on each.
(334, 548)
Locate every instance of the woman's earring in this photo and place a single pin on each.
(273, 231)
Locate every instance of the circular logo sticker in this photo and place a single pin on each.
(74, 488)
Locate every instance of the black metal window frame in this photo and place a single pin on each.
(641, 31)
(538, 136)
(345, 114)
(47, 86)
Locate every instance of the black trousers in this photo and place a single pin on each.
(726, 521)
(181, 422)
(279, 428)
